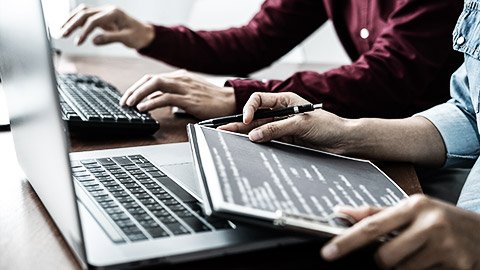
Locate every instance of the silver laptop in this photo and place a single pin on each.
(122, 207)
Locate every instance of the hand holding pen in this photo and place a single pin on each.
(316, 129)
(261, 114)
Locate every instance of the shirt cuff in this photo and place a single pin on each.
(243, 89)
(459, 133)
(160, 42)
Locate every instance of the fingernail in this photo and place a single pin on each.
(129, 102)
(98, 40)
(256, 135)
(77, 40)
(330, 251)
(141, 106)
(339, 208)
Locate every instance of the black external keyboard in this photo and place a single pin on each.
(141, 200)
(90, 105)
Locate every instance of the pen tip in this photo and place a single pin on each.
(318, 106)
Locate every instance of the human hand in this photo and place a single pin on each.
(433, 235)
(182, 89)
(317, 129)
(117, 26)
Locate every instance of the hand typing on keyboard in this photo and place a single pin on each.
(89, 104)
(182, 89)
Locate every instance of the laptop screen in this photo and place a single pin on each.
(28, 79)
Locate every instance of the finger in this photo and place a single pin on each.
(110, 37)
(167, 99)
(91, 23)
(155, 84)
(274, 130)
(78, 21)
(233, 127)
(401, 247)
(142, 91)
(74, 12)
(357, 213)
(268, 100)
(368, 230)
(155, 94)
(242, 128)
(132, 88)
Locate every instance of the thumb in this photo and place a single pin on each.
(274, 130)
(109, 37)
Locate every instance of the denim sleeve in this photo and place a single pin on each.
(459, 133)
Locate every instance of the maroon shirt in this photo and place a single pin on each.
(402, 67)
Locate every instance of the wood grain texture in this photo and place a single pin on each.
(30, 240)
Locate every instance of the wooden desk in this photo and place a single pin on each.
(30, 240)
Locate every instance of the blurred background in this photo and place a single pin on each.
(322, 46)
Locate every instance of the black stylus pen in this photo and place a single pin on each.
(259, 114)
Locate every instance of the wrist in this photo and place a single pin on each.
(148, 34)
(229, 100)
(351, 137)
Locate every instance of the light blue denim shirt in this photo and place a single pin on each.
(458, 120)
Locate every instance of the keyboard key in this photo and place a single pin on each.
(108, 204)
(156, 174)
(177, 228)
(114, 188)
(88, 161)
(132, 185)
(142, 195)
(160, 212)
(157, 232)
(94, 188)
(183, 195)
(169, 202)
(105, 161)
(167, 219)
(137, 237)
(122, 161)
(164, 196)
(183, 213)
(177, 207)
(195, 224)
(75, 164)
(119, 216)
(125, 199)
(78, 169)
(114, 210)
(125, 223)
(84, 177)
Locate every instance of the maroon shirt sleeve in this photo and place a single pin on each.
(391, 79)
(277, 28)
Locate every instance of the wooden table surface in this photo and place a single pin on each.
(30, 240)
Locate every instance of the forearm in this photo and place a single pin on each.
(413, 139)
(277, 28)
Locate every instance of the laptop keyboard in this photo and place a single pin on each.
(141, 200)
(88, 102)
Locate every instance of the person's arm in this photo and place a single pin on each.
(408, 58)
(413, 139)
(277, 28)
(431, 235)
